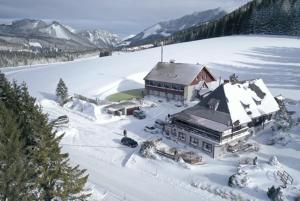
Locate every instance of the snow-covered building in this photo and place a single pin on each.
(177, 81)
(123, 108)
(228, 114)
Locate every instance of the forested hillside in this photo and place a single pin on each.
(25, 58)
(33, 166)
(274, 17)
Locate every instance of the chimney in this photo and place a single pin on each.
(162, 52)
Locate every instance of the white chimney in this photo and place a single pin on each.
(162, 51)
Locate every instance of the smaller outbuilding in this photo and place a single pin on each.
(123, 108)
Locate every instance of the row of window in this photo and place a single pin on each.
(203, 132)
(165, 85)
(194, 141)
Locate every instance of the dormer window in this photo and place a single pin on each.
(246, 106)
(236, 123)
(257, 102)
(213, 104)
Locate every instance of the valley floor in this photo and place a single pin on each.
(119, 173)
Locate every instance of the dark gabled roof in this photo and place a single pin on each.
(217, 94)
(178, 73)
(202, 114)
(198, 115)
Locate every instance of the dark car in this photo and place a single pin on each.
(61, 120)
(151, 129)
(139, 114)
(129, 142)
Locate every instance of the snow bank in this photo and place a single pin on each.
(35, 44)
(90, 111)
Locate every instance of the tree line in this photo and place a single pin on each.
(32, 164)
(10, 58)
(274, 17)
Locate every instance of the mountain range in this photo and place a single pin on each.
(21, 34)
(274, 17)
(167, 28)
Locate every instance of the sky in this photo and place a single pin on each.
(123, 17)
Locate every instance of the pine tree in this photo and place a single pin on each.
(53, 177)
(61, 91)
(14, 172)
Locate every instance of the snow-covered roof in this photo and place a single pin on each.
(179, 73)
(122, 105)
(249, 100)
(239, 102)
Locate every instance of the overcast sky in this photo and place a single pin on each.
(119, 16)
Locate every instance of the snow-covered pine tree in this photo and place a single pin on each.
(53, 176)
(61, 92)
(283, 120)
(275, 194)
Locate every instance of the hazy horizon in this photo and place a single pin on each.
(123, 17)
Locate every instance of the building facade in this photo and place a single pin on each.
(229, 114)
(176, 81)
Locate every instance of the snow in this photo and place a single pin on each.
(93, 75)
(99, 36)
(120, 173)
(238, 94)
(35, 44)
(56, 30)
(128, 37)
(153, 31)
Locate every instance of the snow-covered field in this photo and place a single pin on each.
(119, 173)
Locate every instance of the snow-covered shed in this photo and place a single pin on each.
(176, 81)
(123, 108)
(229, 113)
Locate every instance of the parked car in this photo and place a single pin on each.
(129, 142)
(61, 120)
(139, 114)
(151, 129)
(159, 123)
(179, 104)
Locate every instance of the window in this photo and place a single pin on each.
(167, 131)
(270, 117)
(174, 133)
(207, 147)
(236, 128)
(181, 136)
(194, 141)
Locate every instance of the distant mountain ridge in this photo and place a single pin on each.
(101, 38)
(167, 28)
(54, 35)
